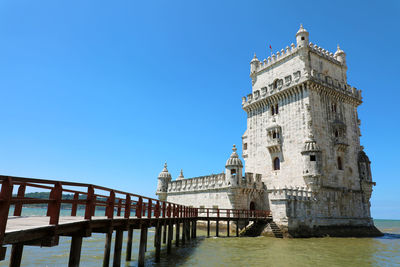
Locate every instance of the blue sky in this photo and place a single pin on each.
(105, 91)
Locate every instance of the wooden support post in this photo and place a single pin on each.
(129, 244)
(217, 228)
(227, 228)
(237, 228)
(142, 245)
(107, 248)
(177, 233)
(75, 251)
(193, 225)
(195, 229)
(5, 196)
(188, 230)
(208, 228)
(170, 234)
(165, 232)
(183, 232)
(119, 234)
(16, 255)
(157, 238)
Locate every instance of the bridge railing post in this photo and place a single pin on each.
(144, 209)
(20, 195)
(55, 204)
(127, 206)
(139, 208)
(149, 209)
(110, 205)
(5, 200)
(157, 211)
(90, 205)
(74, 207)
(119, 207)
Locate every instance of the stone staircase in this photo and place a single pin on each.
(276, 230)
(256, 228)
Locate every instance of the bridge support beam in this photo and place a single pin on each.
(170, 234)
(237, 228)
(165, 232)
(177, 233)
(227, 228)
(16, 255)
(183, 232)
(208, 228)
(217, 228)
(107, 248)
(119, 234)
(157, 241)
(129, 244)
(75, 251)
(142, 245)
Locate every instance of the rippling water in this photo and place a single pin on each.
(244, 251)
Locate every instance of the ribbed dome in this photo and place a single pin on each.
(180, 177)
(339, 51)
(255, 59)
(311, 145)
(164, 173)
(301, 30)
(234, 159)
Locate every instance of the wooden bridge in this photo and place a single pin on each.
(105, 211)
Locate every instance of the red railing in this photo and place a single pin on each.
(98, 199)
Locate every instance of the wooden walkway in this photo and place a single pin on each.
(121, 211)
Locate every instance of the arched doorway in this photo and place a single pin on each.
(252, 207)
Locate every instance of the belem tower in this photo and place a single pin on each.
(301, 149)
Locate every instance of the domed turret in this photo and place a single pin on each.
(340, 55)
(312, 160)
(163, 179)
(302, 37)
(180, 177)
(234, 168)
(254, 64)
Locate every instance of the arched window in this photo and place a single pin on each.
(277, 164)
(339, 163)
(336, 133)
(272, 110)
(276, 109)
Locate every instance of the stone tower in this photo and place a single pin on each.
(303, 136)
(162, 187)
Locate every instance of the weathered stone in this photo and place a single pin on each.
(302, 152)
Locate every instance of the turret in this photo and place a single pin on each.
(254, 64)
(302, 37)
(233, 168)
(180, 177)
(312, 160)
(162, 187)
(340, 55)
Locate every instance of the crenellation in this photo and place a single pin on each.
(302, 151)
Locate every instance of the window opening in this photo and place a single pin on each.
(313, 158)
(277, 164)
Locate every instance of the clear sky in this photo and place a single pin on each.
(105, 91)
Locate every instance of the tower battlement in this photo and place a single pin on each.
(301, 149)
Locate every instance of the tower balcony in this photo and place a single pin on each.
(274, 145)
(341, 143)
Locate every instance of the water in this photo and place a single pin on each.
(244, 251)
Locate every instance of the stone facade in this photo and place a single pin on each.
(302, 146)
(228, 190)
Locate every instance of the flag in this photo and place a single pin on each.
(270, 47)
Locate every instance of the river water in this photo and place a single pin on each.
(243, 251)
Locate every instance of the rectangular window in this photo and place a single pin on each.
(245, 146)
(312, 158)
